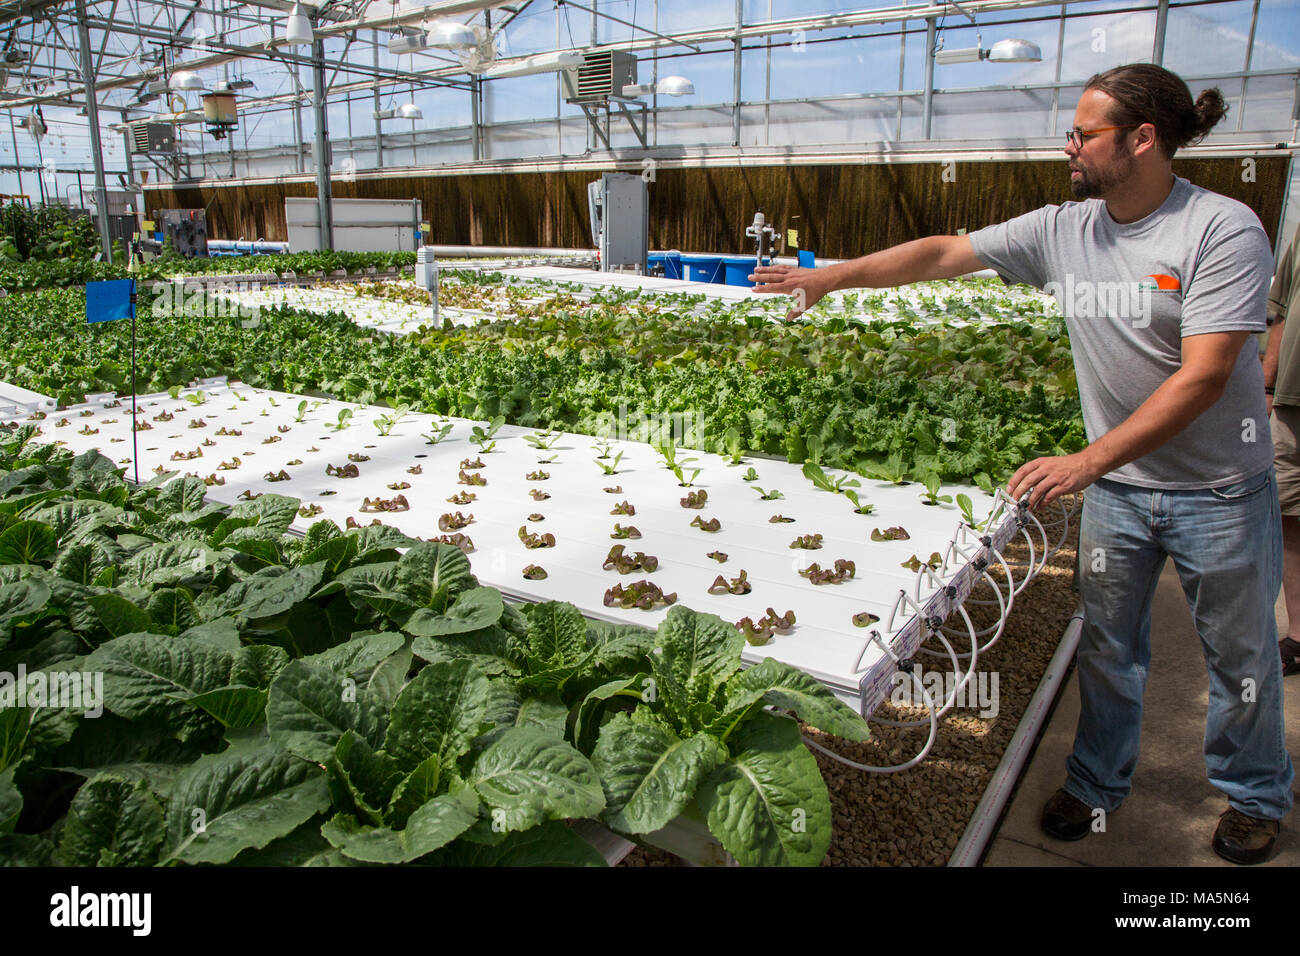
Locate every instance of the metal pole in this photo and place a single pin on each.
(297, 121)
(927, 105)
(379, 124)
(476, 128)
(92, 119)
(1158, 47)
(1245, 68)
(1060, 56)
(126, 139)
(40, 177)
(735, 75)
(17, 162)
(322, 144)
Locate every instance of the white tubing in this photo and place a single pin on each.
(970, 849)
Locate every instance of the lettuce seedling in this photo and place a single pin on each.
(482, 437)
(385, 423)
(819, 478)
(932, 496)
(542, 440)
(345, 416)
(858, 506)
(611, 469)
(679, 472)
(968, 512)
(438, 434)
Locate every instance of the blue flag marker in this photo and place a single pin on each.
(111, 300)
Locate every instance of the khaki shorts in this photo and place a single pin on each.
(1285, 425)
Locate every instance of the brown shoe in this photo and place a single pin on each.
(1290, 651)
(1066, 817)
(1244, 839)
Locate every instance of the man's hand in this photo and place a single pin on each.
(1053, 477)
(807, 286)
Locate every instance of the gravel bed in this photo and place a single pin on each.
(916, 817)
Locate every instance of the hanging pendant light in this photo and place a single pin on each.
(449, 35)
(297, 27)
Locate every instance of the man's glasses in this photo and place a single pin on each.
(1075, 137)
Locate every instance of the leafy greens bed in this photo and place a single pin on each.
(881, 397)
(184, 683)
(63, 273)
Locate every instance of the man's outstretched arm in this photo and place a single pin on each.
(934, 257)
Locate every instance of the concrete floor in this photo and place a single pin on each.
(1170, 816)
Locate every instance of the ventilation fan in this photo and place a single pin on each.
(483, 54)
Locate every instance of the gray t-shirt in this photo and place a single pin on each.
(1130, 292)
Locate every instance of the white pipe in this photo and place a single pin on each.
(975, 839)
(480, 251)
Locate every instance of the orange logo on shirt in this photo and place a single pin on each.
(1165, 283)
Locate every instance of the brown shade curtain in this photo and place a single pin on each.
(840, 211)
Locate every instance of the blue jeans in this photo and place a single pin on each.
(1226, 544)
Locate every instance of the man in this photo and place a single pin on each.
(1282, 396)
(1162, 283)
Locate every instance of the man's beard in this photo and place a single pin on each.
(1093, 184)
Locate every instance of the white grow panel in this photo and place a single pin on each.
(823, 642)
(909, 296)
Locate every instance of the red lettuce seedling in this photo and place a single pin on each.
(398, 503)
(695, 499)
(450, 522)
(534, 540)
(457, 540)
(618, 561)
(817, 575)
(645, 595)
(737, 585)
